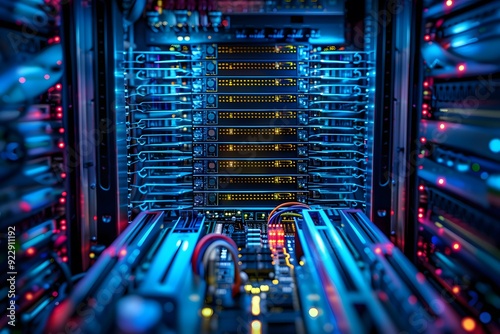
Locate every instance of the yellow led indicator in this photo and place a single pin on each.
(207, 312)
(255, 291)
(313, 312)
(256, 327)
(255, 305)
(275, 282)
(248, 287)
(264, 288)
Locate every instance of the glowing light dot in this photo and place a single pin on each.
(426, 84)
(61, 130)
(423, 139)
(313, 312)
(468, 324)
(59, 62)
(420, 215)
(62, 200)
(455, 289)
(65, 259)
(22, 80)
(378, 250)
(440, 181)
(207, 312)
(256, 326)
(412, 300)
(123, 252)
(442, 126)
(456, 246)
(495, 145)
(55, 294)
(29, 296)
(180, 38)
(58, 86)
(63, 228)
(46, 77)
(63, 175)
(57, 39)
(421, 188)
(449, 3)
(61, 145)
(30, 251)
(92, 255)
(427, 37)
(461, 67)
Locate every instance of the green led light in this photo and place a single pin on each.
(476, 167)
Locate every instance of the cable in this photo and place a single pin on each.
(288, 204)
(234, 257)
(202, 244)
(276, 214)
(64, 268)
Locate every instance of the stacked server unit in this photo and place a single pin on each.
(250, 124)
(459, 162)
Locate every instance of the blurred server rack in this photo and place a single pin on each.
(33, 162)
(458, 170)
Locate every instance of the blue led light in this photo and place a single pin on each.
(485, 317)
(495, 145)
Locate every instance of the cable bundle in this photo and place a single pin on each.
(205, 246)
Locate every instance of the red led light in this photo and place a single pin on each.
(63, 221)
(123, 252)
(30, 251)
(442, 126)
(419, 253)
(424, 112)
(22, 80)
(64, 193)
(449, 3)
(29, 296)
(59, 115)
(461, 67)
(62, 200)
(61, 130)
(46, 77)
(65, 259)
(25, 206)
(438, 271)
(63, 227)
(423, 139)
(456, 289)
(58, 86)
(420, 215)
(378, 250)
(427, 37)
(59, 108)
(426, 84)
(95, 217)
(225, 23)
(425, 106)
(55, 294)
(61, 145)
(421, 188)
(59, 62)
(420, 209)
(456, 246)
(441, 181)
(57, 39)
(63, 175)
